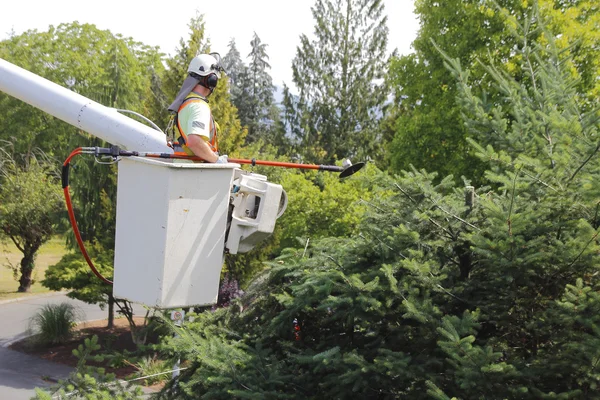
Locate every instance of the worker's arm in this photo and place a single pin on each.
(200, 147)
(195, 120)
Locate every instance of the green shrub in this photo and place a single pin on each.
(149, 366)
(54, 323)
(89, 382)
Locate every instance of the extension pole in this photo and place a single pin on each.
(344, 171)
(332, 168)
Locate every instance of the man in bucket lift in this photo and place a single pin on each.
(194, 128)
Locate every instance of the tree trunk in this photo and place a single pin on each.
(138, 334)
(111, 311)
(26, 271)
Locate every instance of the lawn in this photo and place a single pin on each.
(50, 253)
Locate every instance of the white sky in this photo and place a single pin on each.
(278, 23)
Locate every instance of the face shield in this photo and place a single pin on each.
(188, 85)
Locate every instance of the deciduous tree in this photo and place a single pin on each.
(429, 131)
(29, 196)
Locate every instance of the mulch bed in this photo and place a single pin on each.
(115, 339)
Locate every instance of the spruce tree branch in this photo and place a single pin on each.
(372, 205)
(236, 378)
(538, 180)
(584, 163)
(333, 259)
(558, 273)
(512, 201)
(595, 365)
(447, 291)
(591, 122)
(510, 210)
(305, 247)
(595, 221)
(457, 217)
(549, 139)
(582, 250)
(384, 244)
(421, 210)
(527, 174)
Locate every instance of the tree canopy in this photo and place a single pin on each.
(464, 267)
(29, 199)
(448, 291)
(338, 77)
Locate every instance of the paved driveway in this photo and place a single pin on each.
(20, 373)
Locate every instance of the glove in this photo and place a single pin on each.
(222, 159)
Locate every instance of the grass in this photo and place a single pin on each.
(54, 323)
(152, 366)
(50, 253)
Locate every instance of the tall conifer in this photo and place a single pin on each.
(337, 75)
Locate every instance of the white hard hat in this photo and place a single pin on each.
(205, 64)
(205, 70)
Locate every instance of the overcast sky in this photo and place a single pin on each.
(278, 23)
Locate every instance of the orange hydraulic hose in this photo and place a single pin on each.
(65, 182)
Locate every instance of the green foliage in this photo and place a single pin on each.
(255, 100)
(322, 205)
(339, 103)
(29, 199)
(88, 382)
(151, 365)
(107, 68)
(234, 66)
(578, 39)
(115, 71)
(429, 130)
(53, 323)
(73, 273)
(446, 292)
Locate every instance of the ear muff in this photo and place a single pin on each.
(210, 81)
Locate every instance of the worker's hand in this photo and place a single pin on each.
(222, 159)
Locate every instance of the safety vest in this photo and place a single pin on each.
(179, 134)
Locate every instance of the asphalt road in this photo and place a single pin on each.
(20, 373)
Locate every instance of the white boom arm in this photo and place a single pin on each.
(92, 117)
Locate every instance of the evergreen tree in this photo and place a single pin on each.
(429, 131)
(258, 92)
(340, 99)
(233, 64)
(252, 91)
(447, 292)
